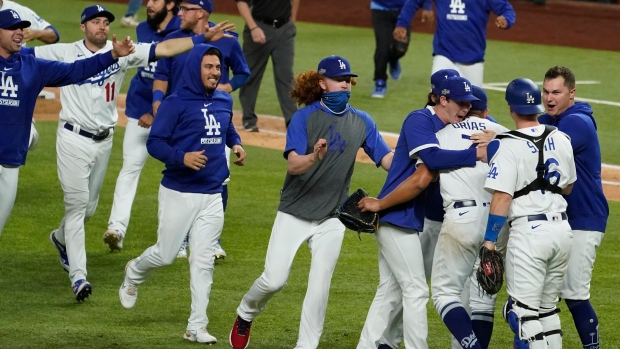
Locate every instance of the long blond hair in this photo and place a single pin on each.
(307, 89)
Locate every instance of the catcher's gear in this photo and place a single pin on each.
(490, 273)
(353, 218)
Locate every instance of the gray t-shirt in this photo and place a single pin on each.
(317, 193)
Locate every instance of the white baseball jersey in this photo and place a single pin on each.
(464, 183)
(26, 14)
(93, 106)
(514, 166)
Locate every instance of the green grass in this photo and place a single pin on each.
(39, 311)
(505, 61)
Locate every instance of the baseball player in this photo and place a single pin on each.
(84, 135)
(161, 20)
(22, 78)
(402, 214)
(190, 192)
(587, 207)
(530, 169)
(40, 30)
(460, 38)
(321, 145)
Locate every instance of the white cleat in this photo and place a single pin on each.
(219, 252)
(183, 250)
(201, 336)
(129, 21)
(128, 293)
(114, 239)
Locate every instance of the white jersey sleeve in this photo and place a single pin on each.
(465, 183)
(54, 52)
(140, 58)
(26, 14)
(514, 167)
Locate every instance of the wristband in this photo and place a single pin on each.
(494, 225)
(158, 96)
(199, 39)
(253, 28)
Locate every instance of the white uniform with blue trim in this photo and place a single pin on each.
(88, 106)
(540, 238)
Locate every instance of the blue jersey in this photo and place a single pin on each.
(417, 139)
(140, 94)
(168, 69)
(587, 206)
(192, 120)
(23, 77)
(461, 26)
(394, 5)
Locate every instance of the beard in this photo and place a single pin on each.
(157, 18)
(97, 41)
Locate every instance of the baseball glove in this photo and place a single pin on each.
(490, 273)
(353, 218)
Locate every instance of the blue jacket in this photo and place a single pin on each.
(191, 120)
(140, 94)
(587, 206)
(23, 77)
(168, 69)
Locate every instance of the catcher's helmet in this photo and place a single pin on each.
(524, 97)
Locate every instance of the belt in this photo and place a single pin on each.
(467, 203)
(276, 23)
(95, 137)
(553, 217)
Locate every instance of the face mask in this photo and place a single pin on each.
(336, 101)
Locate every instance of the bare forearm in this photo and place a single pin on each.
(246, 14)
(300, 164)
(294, 9)
(409, 188)
(171, 47)
(47, 36)
(500, 204)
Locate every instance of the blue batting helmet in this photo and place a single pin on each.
(524, 97)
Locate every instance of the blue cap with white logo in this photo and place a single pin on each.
(9, 19)
(334, 66)
(440, 76)
(96, 11)
(206, 5)
(481, 104)
(457, 89)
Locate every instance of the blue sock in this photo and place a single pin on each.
(460, 325)
(586, 322)
(482, 323)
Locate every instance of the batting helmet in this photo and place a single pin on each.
(524, 97)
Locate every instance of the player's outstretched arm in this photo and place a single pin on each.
(122, 48)
(218, 31)
(173, 47)
(405, 191)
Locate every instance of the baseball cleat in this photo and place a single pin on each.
(114, 239)
(62, 251)
(379, 90)
(395, 70)
(128, 292)
(82, 289)
(240, 333)
(129, 21)
(183, 250)
(201, 336)
(219, 252)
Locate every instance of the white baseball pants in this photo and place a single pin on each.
(134, 158)
(203, 216)
(472, 72)
(8, 192)
(82, 163)
(324, 239)
(581, 264)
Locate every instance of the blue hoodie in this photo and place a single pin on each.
(191, 120)
(587, 206)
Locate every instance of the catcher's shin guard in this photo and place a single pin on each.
(530, 329)
(513, 321)
(550, 322)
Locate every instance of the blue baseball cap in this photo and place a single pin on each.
(334, 66)
(206, 5)
(96, 11)
(479, 93)
(10, 19)
(457, 89)
(440, 76)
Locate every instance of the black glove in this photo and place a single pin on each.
(353, 218)
(490, 273)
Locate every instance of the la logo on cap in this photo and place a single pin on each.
(15, 15)
(342, 65)
(100, 9)
(467, 88)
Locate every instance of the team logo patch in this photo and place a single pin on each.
(445, 91)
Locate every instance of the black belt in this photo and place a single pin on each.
(95, 137)
(464, 203)
(543, 217)
(276, 23)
